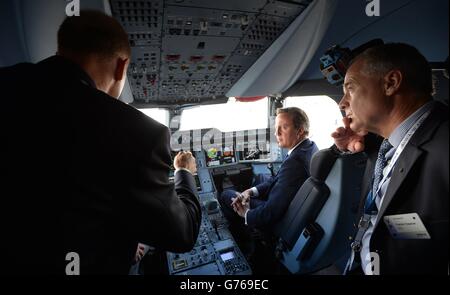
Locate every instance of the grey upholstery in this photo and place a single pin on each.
(316, 228)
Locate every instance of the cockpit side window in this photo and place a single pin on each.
(324, 116)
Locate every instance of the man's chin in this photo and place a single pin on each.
(358, 129)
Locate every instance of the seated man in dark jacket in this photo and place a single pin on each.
(404, 203)
(266, 203)
(85, 176)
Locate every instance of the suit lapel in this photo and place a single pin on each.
(410, 155)
(297, 149)
(404, 164)
(366, 182)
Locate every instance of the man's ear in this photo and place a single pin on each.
(392, 81)
(121, 68)
(300, 132)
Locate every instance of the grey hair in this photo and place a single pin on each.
(416, 71)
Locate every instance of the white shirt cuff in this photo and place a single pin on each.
(183, 169)
(245, 216)
(255, 191)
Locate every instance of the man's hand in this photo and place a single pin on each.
(240, 207)
(139, 253)
(185, 160)
(348, 140)
(243, 197)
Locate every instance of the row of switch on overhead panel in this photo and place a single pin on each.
(203, 27)
(195, 58)
(143, 69)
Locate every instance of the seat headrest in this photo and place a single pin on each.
(321, 164)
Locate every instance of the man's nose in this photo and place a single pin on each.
(343, 103)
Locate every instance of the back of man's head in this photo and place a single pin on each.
(93, 33)
(407, 59)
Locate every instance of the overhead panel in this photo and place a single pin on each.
(190, 51)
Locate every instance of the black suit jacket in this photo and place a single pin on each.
(419, 184)
(83, 172)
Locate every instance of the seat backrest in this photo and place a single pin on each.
(315, 231)
(308, 200)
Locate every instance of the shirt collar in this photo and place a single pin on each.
(397, 135)
(70, 69)
(295, 146)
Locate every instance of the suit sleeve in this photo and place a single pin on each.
(263, 188)
(167, 216)
(290, 177)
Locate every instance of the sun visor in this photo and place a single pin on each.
(286, 59)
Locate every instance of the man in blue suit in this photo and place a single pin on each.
(264, 204)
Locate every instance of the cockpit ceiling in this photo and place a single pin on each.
(193, 51)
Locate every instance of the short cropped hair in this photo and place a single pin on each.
(298, 116)
(93, 32)
(416, 70)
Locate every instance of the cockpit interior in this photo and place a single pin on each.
(258, 55)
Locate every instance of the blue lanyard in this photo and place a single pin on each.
(370, 207)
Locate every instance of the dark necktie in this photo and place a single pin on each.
(371, 207)
(380, 164)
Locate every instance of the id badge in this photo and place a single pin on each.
(406, 226)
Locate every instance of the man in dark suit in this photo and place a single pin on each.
(265, 204)
(85, 177)
(404, 226)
